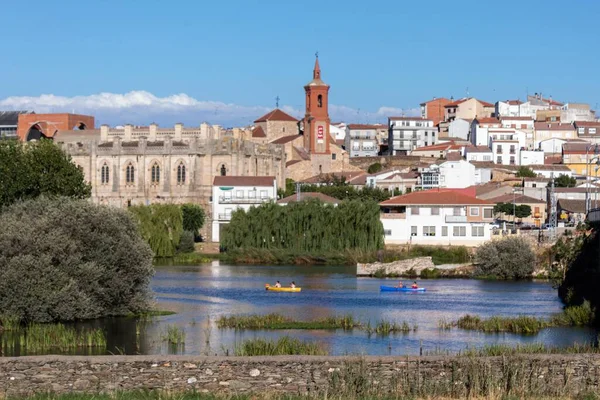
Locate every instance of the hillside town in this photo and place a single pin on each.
(456, 174)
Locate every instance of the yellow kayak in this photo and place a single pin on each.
(282, 289)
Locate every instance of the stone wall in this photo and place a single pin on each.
(458, 377)
(400, 267)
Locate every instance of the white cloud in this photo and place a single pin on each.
(142, 108)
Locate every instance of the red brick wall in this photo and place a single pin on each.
(50, 123)
(435, 110)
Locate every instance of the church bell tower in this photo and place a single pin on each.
(316, 118)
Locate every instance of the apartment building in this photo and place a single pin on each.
(588, 131)
(468, 108)
(506, 145)
(437, 217)
(361, 140)
(230, 193)
(409, 133)
(581, 157)
(479, 130)
(434, 109)
(544, 130)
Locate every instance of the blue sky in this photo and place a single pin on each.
(226, 61)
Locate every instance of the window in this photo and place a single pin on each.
(252, 194)
(474, 211)
(283, 129)
(488, 213)
(413, 231)
(387, 232)
(181, 174)
(223, 170)
(477, 231)
(512, 149)
(499, 160)
(263, 194)
(581, 131)
(429, 231)
(320, 101)
(459, 231)
(592, 131)
(512, 160)
(155, 174)
(487, 158)
(130, 174)
(414, 210)
(104, 172)
(457, 211)
(499, 149)
(239, 194)
(435, 211)
(333, 156)
(444, 231)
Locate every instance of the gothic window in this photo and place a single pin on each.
(223, 170)
(155, 174)
(104, 174)
(130, 174)
(320, 101)
(181, 174)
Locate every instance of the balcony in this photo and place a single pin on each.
(455, 219)
(224, 217)
(243, 200)
(393, 215)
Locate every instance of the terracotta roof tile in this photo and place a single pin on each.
(487, 120)
(302, 153)
(514, 102)
(439, 99)
(285, 139)
(309, 195)
(478, 149)
(292, 162)
(243, 180)
(544, 126)
(591, 124)
(518, 199)
(454, 156)
(512, 118)
(575, 206)
(435, 197)
(258, 132)
(321, 178)
(276, 115)
(486, 104)
(579, 148)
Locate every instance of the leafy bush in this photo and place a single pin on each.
(508, 258)
(38, 168)
(375, 168)
(193, 218)
(525, 172)
(186, 242)
(65, 259)
(161, 225)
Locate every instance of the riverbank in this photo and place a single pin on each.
(518, 376)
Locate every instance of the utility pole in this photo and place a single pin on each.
(298, 189)
(553, 217)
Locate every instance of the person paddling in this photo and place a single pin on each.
(400, 285)
(293, 285)
(414, 285)
(277, 285)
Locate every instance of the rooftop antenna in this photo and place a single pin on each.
(277, 101)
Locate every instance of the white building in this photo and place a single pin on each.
(479, 135)
(544, 131)
(506, 145)
(455, 173)
(555, 145)
(361, 140)
(338, 131)
(478, 153)
(531, 157)
(548, 171)
(571, 112)
(459, 128)
(230, 193)
(437, 217)
(408, 133)
(511, 108)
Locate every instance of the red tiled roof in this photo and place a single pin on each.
(514, 102)
(366, 126)
(309, 195)
(243, 180)
(435, 197)
(518, 199)
(276, 115)
(485, 103)
(487, 120)
(258, 132)
(432, 100)
(591, 124)
(454, 156)
(544, 126)
(285, 139)
(440, 147)
(292, 162)
(575, 206)
(321, 178)
(578, 148)
(302, 153)
(456, 103)
(340, 142)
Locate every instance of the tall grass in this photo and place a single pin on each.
(582, 315)
(495, 350)
(278, 321)
(174, 335)
(9, 322)
(385, 328)
(521, 324)
(40, 338)
(283, 346)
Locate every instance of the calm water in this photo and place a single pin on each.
(201, 294)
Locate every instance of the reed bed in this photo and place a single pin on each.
(173, 335)
(278, 321)
(41, 338)
(281, 347)
(521, 324)
(9, 322)
(385, 328)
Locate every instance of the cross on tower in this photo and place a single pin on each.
(317, 54)
(277, 102)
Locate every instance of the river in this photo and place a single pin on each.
(201, 294)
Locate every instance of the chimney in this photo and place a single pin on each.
(152, 135)
(128, 132)
(104, 133)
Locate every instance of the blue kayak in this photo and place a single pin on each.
(397, 289)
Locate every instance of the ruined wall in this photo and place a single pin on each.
(457, 377)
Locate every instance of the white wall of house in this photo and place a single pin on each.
(482, 175)
(459, 128)
(225, 200)
(406, 134)
(531, 157)
(479, 156)
(457, 174)
(506, 152)
(553, 145)
(338, 132)
(548, 172)
(449, 227)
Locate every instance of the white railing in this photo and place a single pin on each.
(456, 218)
(231, 200)
(224, 217)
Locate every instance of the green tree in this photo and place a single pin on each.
(161, 225)
(508, 258)
(519, 211)
(375, 168)
(193, 218)
(29, 170)
(63, 259)
(565, 181)
(526, 172)
(522, 211)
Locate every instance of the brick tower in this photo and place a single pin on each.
(316, 120)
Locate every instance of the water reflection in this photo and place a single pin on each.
(201, 294)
